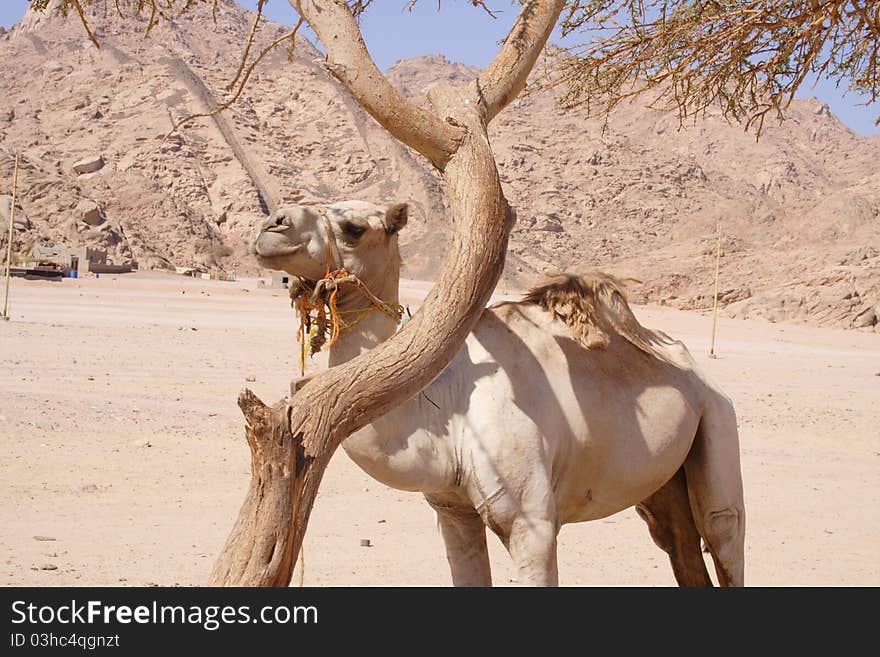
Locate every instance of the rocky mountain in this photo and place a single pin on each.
(91, 125)
(639, 195)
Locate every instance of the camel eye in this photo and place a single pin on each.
(279, 221)
(353, 231)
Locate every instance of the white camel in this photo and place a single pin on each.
(560, 408)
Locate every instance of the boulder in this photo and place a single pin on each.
(20, 221)
(865, 318)
(71, 228)
(549, 223)
(53, 66)
(733, 295)
(860, 255)
(89, 212)
(88, 165)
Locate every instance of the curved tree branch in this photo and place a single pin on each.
(349, 61)
(506, 76)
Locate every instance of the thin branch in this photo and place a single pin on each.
(242, 84)
(247, 48)
(480, 3)
(82, 18)
(506, 76)
(358, 7)
(412, 3)
(153, 21)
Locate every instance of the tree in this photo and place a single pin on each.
(293, 441)
(746, 57)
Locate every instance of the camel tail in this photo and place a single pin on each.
(594, 306)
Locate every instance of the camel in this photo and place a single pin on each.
(559, 408)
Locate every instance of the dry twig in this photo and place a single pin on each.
(243, 82)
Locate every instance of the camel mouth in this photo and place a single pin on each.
(261, 249)
(278, 252)
(275, 262)
(274, 257)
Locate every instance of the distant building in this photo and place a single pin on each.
(198, 272)
(79, 259)
(280, 279)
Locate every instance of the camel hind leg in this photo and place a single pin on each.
(714, 482)
(671, 523)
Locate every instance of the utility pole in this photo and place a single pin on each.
(715, 301)
(9, 237)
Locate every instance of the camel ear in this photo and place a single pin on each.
(395, 217)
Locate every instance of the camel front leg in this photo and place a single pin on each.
(532, 546)
(527, 526)
(465, 537)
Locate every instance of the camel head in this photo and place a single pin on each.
(359, 236)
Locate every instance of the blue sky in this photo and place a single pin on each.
(468, 35)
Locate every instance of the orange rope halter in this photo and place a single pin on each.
(317, 305)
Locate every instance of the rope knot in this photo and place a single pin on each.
(321, 321)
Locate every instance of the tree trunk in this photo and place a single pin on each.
(292, 442)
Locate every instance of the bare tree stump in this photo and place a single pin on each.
(268, 506)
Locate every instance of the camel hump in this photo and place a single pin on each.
(594, 306)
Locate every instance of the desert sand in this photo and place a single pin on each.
(124, 459)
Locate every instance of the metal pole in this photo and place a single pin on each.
(9, 240)
(715, 301)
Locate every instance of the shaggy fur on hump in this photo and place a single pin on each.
(594, 307)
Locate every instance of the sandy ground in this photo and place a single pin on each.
(123, 444)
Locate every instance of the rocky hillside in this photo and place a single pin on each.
(91, 123)
(799, 209)
(642, 196)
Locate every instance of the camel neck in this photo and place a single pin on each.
(372, 328)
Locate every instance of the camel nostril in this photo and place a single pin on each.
(279, 221)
